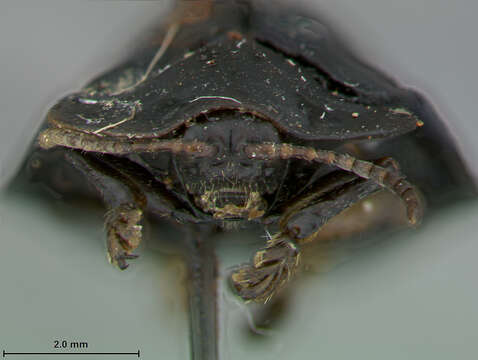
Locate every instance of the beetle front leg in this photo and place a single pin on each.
(123, 233)
(124, 202)
(273, 266)
(271, 269)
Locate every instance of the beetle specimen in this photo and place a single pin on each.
(242, 115)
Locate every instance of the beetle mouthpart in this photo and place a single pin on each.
(232, 203)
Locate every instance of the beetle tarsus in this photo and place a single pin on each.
(123, 234)
(271, 269)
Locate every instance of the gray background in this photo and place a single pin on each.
(411, 298)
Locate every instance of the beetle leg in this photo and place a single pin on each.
(307, 215)
(271, 269)
(124, 201)
(123, 233)
(274, 265)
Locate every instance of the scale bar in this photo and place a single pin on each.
(5, 353)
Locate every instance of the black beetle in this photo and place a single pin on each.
(246, 115)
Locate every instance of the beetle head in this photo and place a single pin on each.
(229, 184)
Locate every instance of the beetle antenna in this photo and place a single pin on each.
(118, 146)
(391, 179)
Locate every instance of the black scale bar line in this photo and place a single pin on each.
(5, 353)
